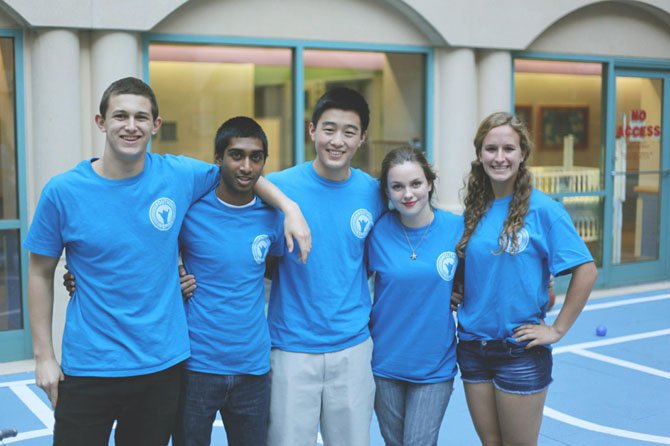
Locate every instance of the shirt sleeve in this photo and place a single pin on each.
(566, 248)
(45, 234)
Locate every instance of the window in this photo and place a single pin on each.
(200, 85)
(11, 309)
(561, 103)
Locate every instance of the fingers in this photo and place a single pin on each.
(182, 270)
(289, 241)
(52, 392)
(305, 244)
(188, 285)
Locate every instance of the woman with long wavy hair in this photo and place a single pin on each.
(515, 237)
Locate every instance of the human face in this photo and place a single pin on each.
(501, 156)
(128, 126)
(409, 191)
(337, 136)
(241, 165)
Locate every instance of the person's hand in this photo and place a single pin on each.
(187, 283)
(296, 228)
(536, 334)
(47, 376)
(69, 282)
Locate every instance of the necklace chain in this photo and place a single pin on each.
(409, 242)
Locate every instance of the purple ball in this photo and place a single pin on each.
(601, 330)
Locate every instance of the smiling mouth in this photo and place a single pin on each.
(244, 181)
(335, 153)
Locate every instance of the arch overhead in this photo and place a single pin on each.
(612, 28)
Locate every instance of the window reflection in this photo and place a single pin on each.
(198, 87)
(8, 190)
(392, 83)
(561, 104)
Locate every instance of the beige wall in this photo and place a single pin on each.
(609, 29)
(341, 21)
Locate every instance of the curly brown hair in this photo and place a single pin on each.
(479, 195)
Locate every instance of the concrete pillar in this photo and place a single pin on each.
(114, 55)
(56, 104)
(495, 82)
(456, 121)
(56, 116)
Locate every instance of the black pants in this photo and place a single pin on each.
(144, 408)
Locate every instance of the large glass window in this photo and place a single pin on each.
(561, 103)
(393, 85)
(198, 86)
(11, 311)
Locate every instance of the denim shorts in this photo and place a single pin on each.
(510, 367)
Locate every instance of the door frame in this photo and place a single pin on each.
(646, 271)
(17, 344)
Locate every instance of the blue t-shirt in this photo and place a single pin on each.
(225, 248)
(324, 305)
(411, 324)
(126, 317)
(504, 291)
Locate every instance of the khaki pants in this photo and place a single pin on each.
(334, 390)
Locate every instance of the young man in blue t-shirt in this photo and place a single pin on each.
(319, 312)
(224, 241)
(118, 218)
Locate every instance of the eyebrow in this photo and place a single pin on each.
(346, 126)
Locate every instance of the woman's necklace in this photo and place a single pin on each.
(425, 233)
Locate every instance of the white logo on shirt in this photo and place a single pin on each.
(260, 248)
(361, 223)
(446, 265)
(162, 213)
(522, 237)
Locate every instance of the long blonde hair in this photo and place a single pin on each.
(479, 195)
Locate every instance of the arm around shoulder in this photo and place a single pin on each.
(295, 225)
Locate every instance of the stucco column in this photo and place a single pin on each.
(456, 120)
(114, 54)
(56, 127)
(495, 82)
(56, 104)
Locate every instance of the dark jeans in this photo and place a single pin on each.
(243, 400)
(144, 408)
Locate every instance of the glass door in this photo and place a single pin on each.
(640, 177)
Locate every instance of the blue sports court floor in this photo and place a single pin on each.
(612, 390)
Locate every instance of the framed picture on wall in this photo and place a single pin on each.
(561, 121)
(525, 115)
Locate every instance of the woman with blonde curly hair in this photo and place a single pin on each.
(515, 237)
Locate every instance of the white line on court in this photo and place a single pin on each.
(36, 405)
(611, 341)
(29, 435)
(618, 303)
(560, 416)
(24, 382)
(622, 363)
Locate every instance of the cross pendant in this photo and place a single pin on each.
(413, 256)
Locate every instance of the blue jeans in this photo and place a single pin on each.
(243, 400)
(409, 413)
(511, 367)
